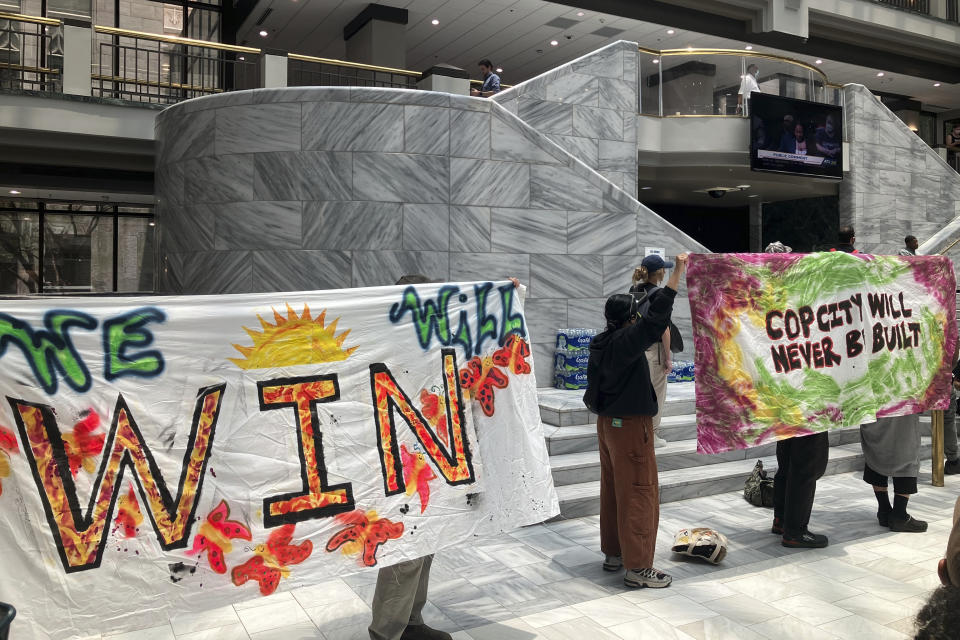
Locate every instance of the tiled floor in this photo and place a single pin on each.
(546, 582)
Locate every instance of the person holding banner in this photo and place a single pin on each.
(801, 461)
(620, 392)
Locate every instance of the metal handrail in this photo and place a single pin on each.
(175, 40)
(733, 52)
(353, 65)
(28, 69)
(155, 83)
(34, 19)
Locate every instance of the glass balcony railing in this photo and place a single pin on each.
(706, 82)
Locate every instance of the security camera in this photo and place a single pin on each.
(717, 193)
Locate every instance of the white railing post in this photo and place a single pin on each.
(273, 69)
(77, 57)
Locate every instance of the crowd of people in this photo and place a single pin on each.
(624, 390)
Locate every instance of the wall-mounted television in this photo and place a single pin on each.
(795, 136)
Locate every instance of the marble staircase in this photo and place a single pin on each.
(571, 436)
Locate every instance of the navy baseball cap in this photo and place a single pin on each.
(655, 263)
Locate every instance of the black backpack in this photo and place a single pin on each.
(643, 307)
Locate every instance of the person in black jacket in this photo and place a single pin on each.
(620, 392)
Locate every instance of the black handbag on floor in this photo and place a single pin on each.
(758, 489)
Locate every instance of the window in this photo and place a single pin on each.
(68, 248)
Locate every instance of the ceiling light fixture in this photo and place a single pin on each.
(656, 61)
(499, 70)
(434, 22)
(645, 188)
(936, 84)
(579, 14)
(264, 33)
(242, 58)
(880, 74)
(14, 192)
(670, 32)
(554, 43)
(819, 62)
(152, 224)
(749, 47)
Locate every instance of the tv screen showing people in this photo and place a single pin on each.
(795, 136)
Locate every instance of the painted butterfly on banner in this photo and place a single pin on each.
(271, 561)
(215, 534)
(473, 378)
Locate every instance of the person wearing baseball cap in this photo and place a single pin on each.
(646, 280)
(939, 619)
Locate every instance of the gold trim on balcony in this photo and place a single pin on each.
(734, 52)
(152, 83)
(352, 65)
(34, 19)
(20, 67)
(175, 40)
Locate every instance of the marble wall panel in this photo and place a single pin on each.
(574, 88)
(489, 183)
(593, 122)
(489, 266)
(631, 65)
(380, 268)
(617, 156)
(352, 225)
(348, 126)
(256, 225)
(303, 175)
(543, 363)
(511, 140)
(217, 272)
(544, 317)
(618, 273)
(426, 130)
(565, 276)
(291, 270)
(404, 96)
(171, 182)
(618, 94)
(913, 160)
(629, 126)
(546, 117)
(923, 185)
(426, 227)
(186, 138)
(601, 233)
(187, 227)
(470, 229)
(909, 208)
(525, 231)
(587, 150)
(586, 312)
(605, 63)
(219, 179)
(469, 134)
(267, 127)
(401, 177)
(554, 187)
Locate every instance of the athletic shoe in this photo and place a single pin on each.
(806, 540)
(951, 467)
(777, 527)
(908, 525)
(636, 578)
(612, 563)
(423, 632)
(658, 442)
(883, 518)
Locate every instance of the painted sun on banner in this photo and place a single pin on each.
(167, 455)
(791, 344)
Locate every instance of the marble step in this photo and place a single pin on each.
(583, 498)
(584, 466)
(562, 408)
(674, 429)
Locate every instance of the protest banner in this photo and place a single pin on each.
(793, 344)
(161, 455)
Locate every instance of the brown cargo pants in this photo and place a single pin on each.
(629, 490)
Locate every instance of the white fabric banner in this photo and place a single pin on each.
(161, 455)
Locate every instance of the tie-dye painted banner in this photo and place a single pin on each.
(168, 454)
(791, 344)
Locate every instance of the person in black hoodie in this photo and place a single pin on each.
(620, 392)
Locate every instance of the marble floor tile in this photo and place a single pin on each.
(611, 611)
(577, 629)
(543, 572)
(299, 631)
(790, 627)
(161, 632)
(350, 632)
(273, 615)
(234, 631)
(886, 588)
(677, 610)
(745, 611)
(701, 592)
(513, 629)
(476, 612)
(576, 556)
(859, 627)
(719, 628)
(874, 608)
(649, 629)
(323, 593)
(811, 609)
(191, 622)
(553, 616)
(826, 589)
(344, 613)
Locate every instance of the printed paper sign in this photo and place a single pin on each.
(168, 454)
(791, 344)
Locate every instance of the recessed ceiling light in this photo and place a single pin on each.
(670, 32)
(936, 84)
(579, 14)
(880, 74)
(434, 22)
(819, 62)
(656, 61)
(743, 186)
(749, 47)
(645, 188)
(14, 192)
(756, 195)
(554, 43)
(242, 58)
(499, 70)
(689, 47)
(264, 33)
(153, 224)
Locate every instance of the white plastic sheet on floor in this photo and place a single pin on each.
(169, 454)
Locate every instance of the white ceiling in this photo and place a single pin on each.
(513, 33)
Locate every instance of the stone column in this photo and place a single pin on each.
(273, 69)
(446, 78)
(378, 36)
(77, 56)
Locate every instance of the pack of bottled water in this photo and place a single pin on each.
(571, 358)
(682, 371)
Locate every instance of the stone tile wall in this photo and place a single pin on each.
(313, 188)
(588, 107)
(896, 185)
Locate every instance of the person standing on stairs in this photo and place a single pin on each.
(620, 392)
(801, 461)
(646, 280)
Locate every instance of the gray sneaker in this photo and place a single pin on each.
(651, 578)
(658, 442)
(612, 563)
